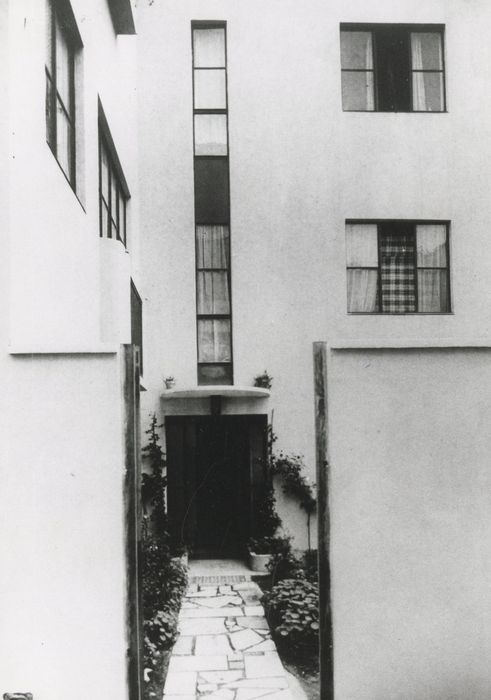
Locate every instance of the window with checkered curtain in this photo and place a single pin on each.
(397, 267)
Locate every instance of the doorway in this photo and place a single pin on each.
(215, 467)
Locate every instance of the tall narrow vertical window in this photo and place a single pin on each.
(212, 210)
(113, 194)
(136, 322)
(62, 42)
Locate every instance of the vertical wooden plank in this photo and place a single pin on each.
(322, 465)
(131, 428)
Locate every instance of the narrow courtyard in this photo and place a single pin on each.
(225, 650)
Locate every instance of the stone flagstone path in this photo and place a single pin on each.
(224, 650)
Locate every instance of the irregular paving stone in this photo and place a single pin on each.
(256, 623)
(212, 644)
(244, 638)
(251, 693)
(221, 676)
(236, 664)
(222, 694)
(251, 610)
(219, 601)
(263, 666)
(245, 586)
(225, 588)
(199, 594)
(279, 683)
(210, 612)
(202, 626)
(213, 662)
(179, 697)
(184, 645)
(187, 605)
(267, 645)
(281, 695)
(250, 597)
(207, 687)
(235, 656)
(180, 683)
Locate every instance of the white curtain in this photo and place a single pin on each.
(362, 290)
(361, 245)
(210, 134)
(214, 340)
(431, 245)
(357, 75)
(212, 247)
(432, 291)
(426, 53)
(213, 294)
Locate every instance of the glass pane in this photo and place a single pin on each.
(357, 90)
(362, 290)
(356, 50)
(63, 141)
(397, 272)
(433, 291)
(122, 221)
(428, 92)
(211, 190)
(50, 116)
(431, 245)
(215, 374)
(114, 198)
(209, 48)
(214, 340)
(426, 51)
(63, 66)
(210, 134)
(361, 245)
(212, 247)
(49, 34)
(209, 89)
(104, 173)
(104, 221)
(213, 295)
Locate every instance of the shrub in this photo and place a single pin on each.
(292, 608)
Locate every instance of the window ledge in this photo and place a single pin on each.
(408, 343)
(227, 391)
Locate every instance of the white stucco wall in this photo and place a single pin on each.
(62, 542)
(300, 167)
(411, 534)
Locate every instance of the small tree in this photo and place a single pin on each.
(154, 483)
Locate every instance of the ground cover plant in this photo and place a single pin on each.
(163, 577)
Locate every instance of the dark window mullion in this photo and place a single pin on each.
(379, 276)
(415, 268)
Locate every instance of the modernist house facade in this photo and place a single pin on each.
(256, 177)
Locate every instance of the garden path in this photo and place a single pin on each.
(224, 650)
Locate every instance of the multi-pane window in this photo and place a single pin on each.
(397, 267)
(136, 322)
(112, 196)
(212, 209)
(60, 88)
(392, 68)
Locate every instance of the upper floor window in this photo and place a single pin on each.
(61, 46)
(397, 267)
(392, 68)
(113, 194)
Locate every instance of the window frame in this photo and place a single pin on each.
(414, 223)
(228, 367)
(61, 19)
(115, 172)
(408, 29)
(136, 333)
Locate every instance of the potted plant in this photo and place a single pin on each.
(260, 551)
(263, 381)
(169, 382)
(261, 545)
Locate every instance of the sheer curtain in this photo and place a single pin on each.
(431, 244)
(357, 71)
(427, 65)
(362, 252)
(212, 257)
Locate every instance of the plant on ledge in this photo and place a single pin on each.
(264, 381)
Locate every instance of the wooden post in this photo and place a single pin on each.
(322, 464)
(131, 406)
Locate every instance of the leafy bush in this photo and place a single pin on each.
(292, 608)
(284, 564)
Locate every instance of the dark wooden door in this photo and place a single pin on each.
(214, 464)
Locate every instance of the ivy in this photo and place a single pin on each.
(154, 483)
